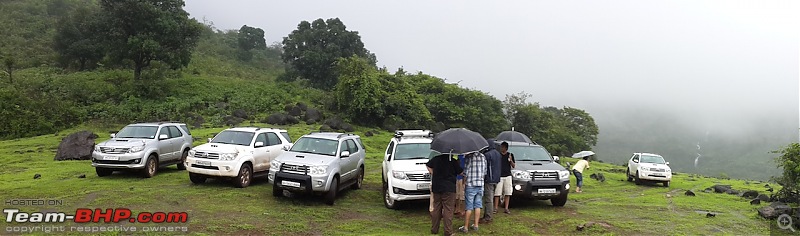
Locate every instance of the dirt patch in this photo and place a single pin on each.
(89, 198)
(350, 215)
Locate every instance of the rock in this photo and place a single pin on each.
(37, 176)
(276, 119)
(82, 176)
(325, 128)
(313, 114)
(721, 188)
(240, 113)
(755, 202)
(747, 182)
(222, 105)
(709, 215)
(750, 194)
(689, 193)
(308, 122)
(598, 176)
(302, 106)
(232, 120)
(76, 146)
(347, 127)
(295, 111)
(292, 120)
(732, 192)
(770, 190)
(369, 134)
(766, 185)
(774, 210)
(763, 197)
(591, 224)
(334, 123)
(20, 151)
(287, 107)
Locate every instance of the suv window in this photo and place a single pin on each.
(343, 146)
(174, 132)
(272, 139)
(186, 129)
(353, 146)
(262, 138)
(164, 131)
(390, 149)
(286, 136)
(635, 157)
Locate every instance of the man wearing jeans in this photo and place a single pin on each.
(490, 181)
(443, 171)
(475, 172)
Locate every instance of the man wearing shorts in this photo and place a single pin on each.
(503, 188)
(475, 172)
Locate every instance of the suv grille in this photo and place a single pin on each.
(294, 169)
(658, 170)
(548, 175)
(426, 177)
(112, 150)
(207, 155)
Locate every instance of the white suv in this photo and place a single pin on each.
(239, 153)
(649, 167)
(405, 176)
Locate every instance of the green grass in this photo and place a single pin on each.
(218, 208)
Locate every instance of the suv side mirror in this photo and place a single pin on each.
(556, 158)
(666, 163)
(286, 148)
(344, 154)
(209, 140)
(258, 144)
(113, 135)
(635, 161)
(163, 136)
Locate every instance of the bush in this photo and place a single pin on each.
(789, 160)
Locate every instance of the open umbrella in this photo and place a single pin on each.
(458, 141)
(513, 136)
(583, 154)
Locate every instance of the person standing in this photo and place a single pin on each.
(475, 172)
(503, 188)
(491, 180)
(443, 171)
(460, 186)
(577, 170)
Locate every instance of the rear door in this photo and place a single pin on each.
(633, 164)
(387, 158)
(355, 156)
(261, 153)
(165, 149)
(176, 141)
(275, 146)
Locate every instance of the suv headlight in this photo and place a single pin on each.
(136, 149)
(228, 156)
(399, 175)
(274, 165)
(318, 170)
(97, 148)
(192, 152)
(563, 174)
(643, 168)
(521, 174)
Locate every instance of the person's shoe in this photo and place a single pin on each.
(494, 212)
(484, 221)
(463, 229)
(507, 211)
(473, 227)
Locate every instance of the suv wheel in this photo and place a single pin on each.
(330, 196)
(636, 179)
(151, 167)
(559, 201)
(628, 173)
(276, 191)
(181, 165)
(666, 184)
(359, 178)
(196, 178)
(245, 175)
(388, 202)
(101, 172)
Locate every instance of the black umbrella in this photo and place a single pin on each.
(458, 141)
(513, 136)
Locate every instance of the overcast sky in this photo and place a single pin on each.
(714, 59)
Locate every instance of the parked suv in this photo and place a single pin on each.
(649, 167)
(145, 146)
(319, 163)
(405, 176)
(240, 154)
(537, 175)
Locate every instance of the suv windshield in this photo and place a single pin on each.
(234, 137)
(653, 159)
(316, 146)
(148, 132)
(412, 151)
(529, 153)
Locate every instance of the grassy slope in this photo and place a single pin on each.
(218, 208)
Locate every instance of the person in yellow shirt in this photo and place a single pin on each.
(577, 170)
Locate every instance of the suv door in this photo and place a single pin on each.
(355, 156)
(633, 164)
(260, 153)
(177, 141)
(387, 160)
(165, 149)
(275, 146)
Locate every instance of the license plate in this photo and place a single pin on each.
(204, 163)
(110, 158)
(290, 184)
(547, 190)
(424, 186)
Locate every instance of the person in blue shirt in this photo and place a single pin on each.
(460, 190)
(492, 178)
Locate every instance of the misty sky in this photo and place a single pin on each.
(717, 60)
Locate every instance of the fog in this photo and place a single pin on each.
(724, 67)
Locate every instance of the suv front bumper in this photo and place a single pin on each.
(212, 167)
(298, 182)
(405, 190)
(531, 189)
(655, 176)
(118, 161)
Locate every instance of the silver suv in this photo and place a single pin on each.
(319, 163)
(145, 147)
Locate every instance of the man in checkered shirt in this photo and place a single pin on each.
(475, 172)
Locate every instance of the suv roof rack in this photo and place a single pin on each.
(413, 133)
(344, 135)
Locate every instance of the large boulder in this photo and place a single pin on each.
(296, 111)
(240, 113)
(763, 197)
(292, 120)
(750, 194)
(347, 127)
(721, 188)
(334, 122)
(313, 115)
(76, 146)
(232, 120)
(774, 210)
(302, 106)
(276, 119)
(732, 192)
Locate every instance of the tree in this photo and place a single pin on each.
(142, 31)
(789, 160)
(77, 40)
(250, 38)
(312, 49)
(358, 93)
(9, 64)
(582, 124)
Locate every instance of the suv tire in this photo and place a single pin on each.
(245, 176)
(666, 184)
(150, 167)
(628, 173)
(181, 165)
(196, 178)
(276, 191)
(560, 201)
(101, 172)
(388, 202)
(636, 179)
(359, 179)
(330, 196)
